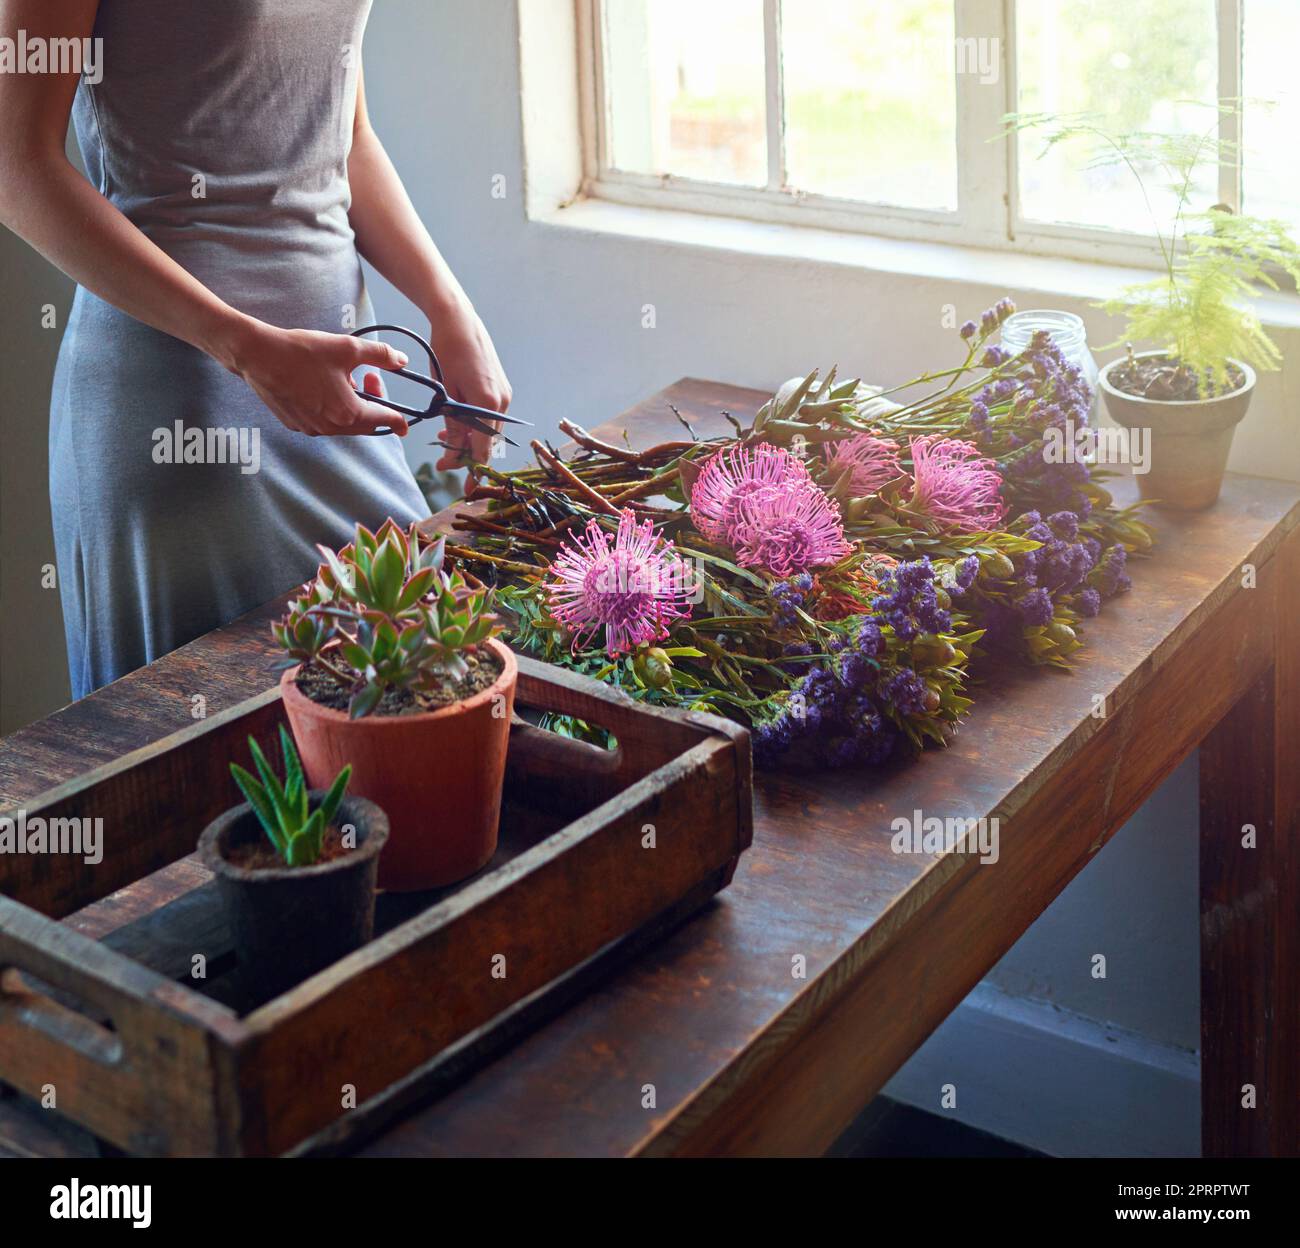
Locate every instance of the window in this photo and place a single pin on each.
(889, 117)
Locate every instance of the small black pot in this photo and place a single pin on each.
(290, 922)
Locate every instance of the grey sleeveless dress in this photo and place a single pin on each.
(222, 131)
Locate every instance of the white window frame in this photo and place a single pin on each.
(988, 210)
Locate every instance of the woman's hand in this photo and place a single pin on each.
(473, 374)
(304, 377)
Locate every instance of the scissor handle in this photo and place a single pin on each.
(434, 367)
(480, 419)
(436, 400)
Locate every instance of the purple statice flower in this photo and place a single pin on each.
(879, 746)
(869, 640)
(967, 570)
(905, 691)
(1065, 524)
(1036, 607)
(771, 738)
(736, 474)
(968, 330)
(631, 583)
(1002, 624)
(1063, 560)
(870, 462)
(1089, 603)
(787, 529)
(815, 703)
(1110, 577)
(1047, 415)
(911, 605)
(861, 734)
(993, 357)
(855, 669)
(979, 417)
(992, 317)
(955, 485)
(787, 598)
(820, 686)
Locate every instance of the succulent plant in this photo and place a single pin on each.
(283, 808)
(383, 613)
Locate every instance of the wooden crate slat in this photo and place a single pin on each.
(150, 801)
(561, 903)
(146, 1082)
(261, 1083)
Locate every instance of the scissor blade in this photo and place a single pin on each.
(464, 411)
(393, 406)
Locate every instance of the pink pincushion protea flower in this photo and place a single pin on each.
(736, 475)
(633, 583)
(870, 461)
(954, 484)
(788, 530)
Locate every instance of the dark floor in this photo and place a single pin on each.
(889, 1129)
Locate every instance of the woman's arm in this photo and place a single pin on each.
(392, 237)
(302, 376)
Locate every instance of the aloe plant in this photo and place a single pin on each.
(384, 613)
(282, 808)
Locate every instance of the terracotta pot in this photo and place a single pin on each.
(290, 922)
(437, 775)
(1189, 439)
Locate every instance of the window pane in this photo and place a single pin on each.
(870, 100)
(1271, 111)
(686, 87)
(1144, 65)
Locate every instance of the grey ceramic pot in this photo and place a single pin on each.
(290, 922)
(1189, 439)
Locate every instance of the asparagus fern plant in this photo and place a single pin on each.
(283, 808)
(1213, 260)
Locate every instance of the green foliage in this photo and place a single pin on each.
(1201, 311)
(282, 808)
(1198, 309)
(383, 614)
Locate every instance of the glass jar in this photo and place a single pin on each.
(1067, 331)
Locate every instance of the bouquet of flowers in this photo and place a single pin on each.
(829, 574)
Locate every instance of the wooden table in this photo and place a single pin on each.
(744, 1056)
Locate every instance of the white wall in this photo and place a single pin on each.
(565, 307)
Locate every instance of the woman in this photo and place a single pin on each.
(233, 180)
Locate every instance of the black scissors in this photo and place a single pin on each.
(440, 403)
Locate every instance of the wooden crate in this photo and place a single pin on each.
(109, 1016)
